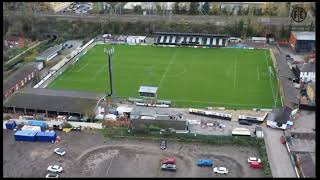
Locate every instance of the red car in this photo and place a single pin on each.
(256, 165)
(168, 160)
(283, 140)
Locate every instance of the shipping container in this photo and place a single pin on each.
(31, 128)
(42, 124)
(11, 124)
(46, 136)
(25, 136)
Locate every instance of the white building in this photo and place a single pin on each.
(136, 39)
(308, 72)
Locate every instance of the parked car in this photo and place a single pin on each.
(168, 160)
(283, 140)
(204, 162)
(163, 144)
(60, 151)
(52, 175)
(256, 165)
(220, 170)
(73, 118)
(245, 122)
(254, 159)
(55, 168)
(169, 167)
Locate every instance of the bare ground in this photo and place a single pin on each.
(89, 154)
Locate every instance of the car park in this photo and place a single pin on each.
(169, 167)
(55, 168)
(169, 160)
(163, 144)
(245, 122)
(256, 165)
(205, 162)
(254, 159)
(52, 175)
(60, 151)
(220, 170)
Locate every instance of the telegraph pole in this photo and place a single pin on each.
(110, 53)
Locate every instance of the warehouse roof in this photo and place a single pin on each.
(305, 35)
(17, 76)
(148, 89)
(308, 67)
(53, 100)
(50, 51)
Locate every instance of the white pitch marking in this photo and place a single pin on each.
(258, 72)
(235, 72)
(164, 74)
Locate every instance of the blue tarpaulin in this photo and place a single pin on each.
(11, 124)
(42, 124)
(46, 136)
(25, 135)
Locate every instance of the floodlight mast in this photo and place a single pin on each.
(110, 53)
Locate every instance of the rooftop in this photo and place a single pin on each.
(280, 115)
(305, 35)
(12, 38)
(148, 89)
(17, 76)
(54, 100)
(50, 51)
(308, 67)
(189, 34)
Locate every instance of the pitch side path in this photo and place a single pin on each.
(198, 77)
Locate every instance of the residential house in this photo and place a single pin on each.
(14, 42)
(308, 72)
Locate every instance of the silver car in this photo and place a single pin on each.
(55, 169)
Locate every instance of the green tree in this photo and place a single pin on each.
(206, 7)
(194, 7)
(176, 8)
(215, 9)
(138, 9)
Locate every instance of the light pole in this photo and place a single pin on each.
(110, 53)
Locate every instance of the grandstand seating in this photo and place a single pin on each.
(167, 38)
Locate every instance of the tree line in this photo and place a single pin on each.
(35, 28)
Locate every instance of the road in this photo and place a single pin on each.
(217, 20)
(278, 155)
(23, 52)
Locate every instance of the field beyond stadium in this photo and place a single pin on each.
(189, 77)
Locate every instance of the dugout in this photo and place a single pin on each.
(148, 91)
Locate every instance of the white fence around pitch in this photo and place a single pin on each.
(61, 63)
(86, 45)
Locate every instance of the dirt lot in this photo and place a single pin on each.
(90, 154)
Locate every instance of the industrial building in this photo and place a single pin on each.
(191, 39)
(142, 117)
(302, 41)
(52, 102)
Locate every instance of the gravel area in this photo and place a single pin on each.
(89, 154)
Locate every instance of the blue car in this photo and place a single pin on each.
(205, 162)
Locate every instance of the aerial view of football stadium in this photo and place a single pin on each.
(159, 89)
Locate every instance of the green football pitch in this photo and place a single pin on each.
(189, 77)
